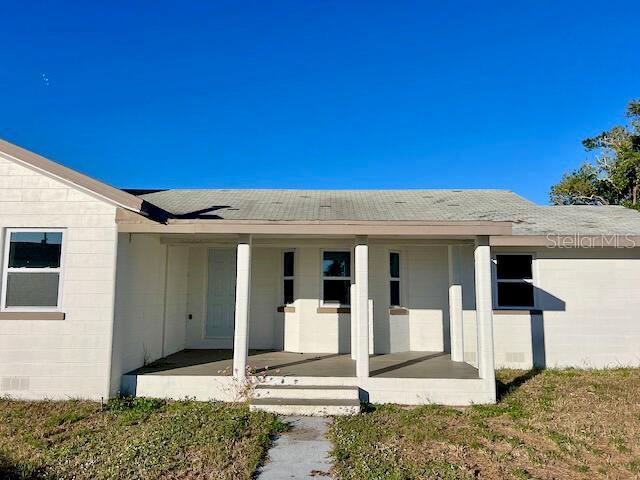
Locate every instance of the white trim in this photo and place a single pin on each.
(532, 281)
(323, 278)
(6, 270)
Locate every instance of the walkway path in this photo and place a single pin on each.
(302, 452)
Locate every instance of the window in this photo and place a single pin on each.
(394, 279)
(336, 277)
(32, 269)
(514, 279)
(288, 269)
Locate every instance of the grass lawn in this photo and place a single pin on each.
(552, 424)
(132, 439)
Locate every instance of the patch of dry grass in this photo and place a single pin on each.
(570, 424)
(132, 439)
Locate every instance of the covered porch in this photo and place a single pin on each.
(381, 309)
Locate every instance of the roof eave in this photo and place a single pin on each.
(131, 224)
(70, 177)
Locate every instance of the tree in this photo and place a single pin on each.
(613, 176)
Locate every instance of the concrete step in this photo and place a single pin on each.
(307, 392)
(311, 407)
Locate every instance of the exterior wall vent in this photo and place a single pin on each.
(514, 357)
(14, 384)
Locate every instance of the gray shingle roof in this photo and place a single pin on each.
(384, 205)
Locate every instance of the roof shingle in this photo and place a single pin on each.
(387, 205)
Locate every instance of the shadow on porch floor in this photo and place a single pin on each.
(279, 363)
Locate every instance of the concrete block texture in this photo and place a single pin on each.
(68, 358)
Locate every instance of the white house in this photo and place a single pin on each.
(318, 297)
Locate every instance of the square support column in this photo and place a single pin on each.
(455, 304)
(484, 311)
(362, 307)
(243, 295)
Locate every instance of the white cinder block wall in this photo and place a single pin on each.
(139, 307)
(590, 299)
(318, 332)
(428, 300)
(590, 302)
(266, 324)
(148, 324)
(176, 299)
(70, 357)
(424, 291)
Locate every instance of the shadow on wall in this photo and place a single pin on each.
(549, 302)
(446, 330)
(381, 329)
(344, 333)
(128, 385)
(546, 302)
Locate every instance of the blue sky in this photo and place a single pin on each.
(317, 94)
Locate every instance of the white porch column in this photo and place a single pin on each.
(362, 307)
(354, 321)
(243, 287)
(455, 304)
(484, 310)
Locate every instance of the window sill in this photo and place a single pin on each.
(524, 311)
(398, 311)
(333, 310)
(286, 309)
(32, 315)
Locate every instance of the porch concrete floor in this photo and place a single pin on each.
(280, 363)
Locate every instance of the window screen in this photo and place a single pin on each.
(32, 289)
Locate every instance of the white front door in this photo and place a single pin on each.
(221, 290)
